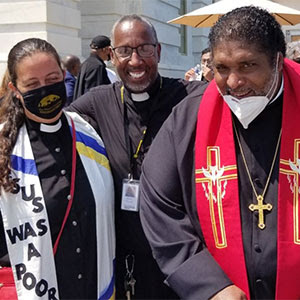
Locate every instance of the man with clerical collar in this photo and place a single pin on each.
(128, 115)
(220, 184)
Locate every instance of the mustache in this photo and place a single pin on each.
(230, 91)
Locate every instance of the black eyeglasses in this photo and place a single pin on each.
(145, 50)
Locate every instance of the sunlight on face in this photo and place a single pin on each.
(33, 72)
(241, 70)
(137, 73)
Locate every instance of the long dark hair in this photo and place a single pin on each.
(11, 110)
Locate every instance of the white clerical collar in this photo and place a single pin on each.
(140, 97)
(50, 128)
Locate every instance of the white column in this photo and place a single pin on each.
(57, 21)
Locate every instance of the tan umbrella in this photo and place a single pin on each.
(208, 15)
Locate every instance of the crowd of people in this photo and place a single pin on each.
(149, 187)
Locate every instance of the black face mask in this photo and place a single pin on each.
(47, 101)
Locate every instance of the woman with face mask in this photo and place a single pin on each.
(56, 191)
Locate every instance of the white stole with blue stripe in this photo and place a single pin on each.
(26, 223)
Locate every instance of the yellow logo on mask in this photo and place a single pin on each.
(49, 103)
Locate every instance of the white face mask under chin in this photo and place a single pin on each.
(248, 108)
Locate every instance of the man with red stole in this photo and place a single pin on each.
(220, 194)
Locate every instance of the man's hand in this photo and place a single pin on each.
(231, 292)
(190, 74)
(208, 73)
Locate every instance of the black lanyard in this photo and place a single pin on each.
(134, 156)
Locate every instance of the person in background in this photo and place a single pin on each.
(128, 114)
(293, 51)
(220, 184)
(93, 70)
(56, 190)
(203, 71)
(71, 65)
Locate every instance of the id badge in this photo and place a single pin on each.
(130, 195)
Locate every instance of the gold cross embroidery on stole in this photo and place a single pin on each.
(292, 170)
(214, 181)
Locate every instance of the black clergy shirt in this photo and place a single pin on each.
(76, 256)
(168, 201)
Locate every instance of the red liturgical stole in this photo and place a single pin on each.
(217, 192)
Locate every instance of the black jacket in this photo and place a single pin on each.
(92, 73)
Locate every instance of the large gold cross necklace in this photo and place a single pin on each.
(260, 206)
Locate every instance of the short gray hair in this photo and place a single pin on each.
(131, 18)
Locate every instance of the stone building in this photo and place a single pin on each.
(71, 24)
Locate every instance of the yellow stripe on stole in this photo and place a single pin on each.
(113, 296)
(92, 154)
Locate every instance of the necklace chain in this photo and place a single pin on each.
(246, 166)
